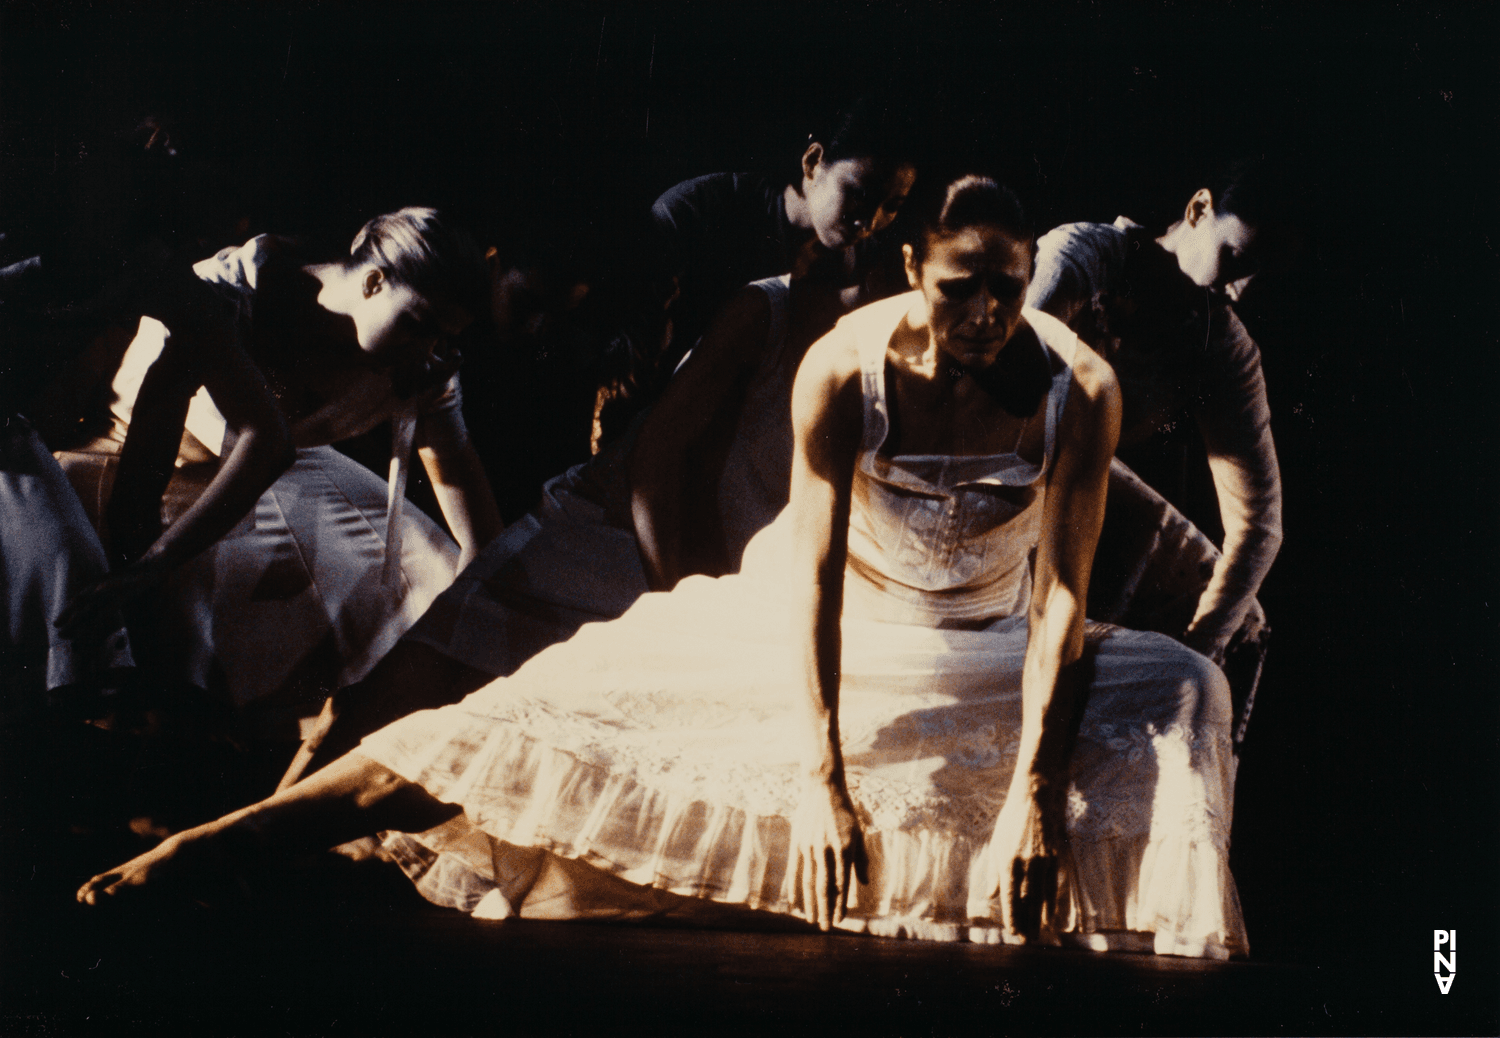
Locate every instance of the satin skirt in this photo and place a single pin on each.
(48, 553)
(292, 601)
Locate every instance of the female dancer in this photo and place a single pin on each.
(714, 234)
(897, 687)
(708, 469)
(275, 559)
(1154, 307)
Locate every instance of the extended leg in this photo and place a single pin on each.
(411, 677)
(350, 798)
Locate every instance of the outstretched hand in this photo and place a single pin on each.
(1023, 854)
(104, 601)
(829, 847)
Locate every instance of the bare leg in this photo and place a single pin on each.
(411, 677)
(350, 798)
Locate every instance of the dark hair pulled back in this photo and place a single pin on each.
(951, 204)
(866, 128)
(1252, 189)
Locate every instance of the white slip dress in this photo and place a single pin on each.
(652, 763)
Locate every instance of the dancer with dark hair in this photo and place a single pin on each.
(293, 567)
(704, 472)
(898, 686)
(714, 234)
(680, 493)
(1154, 306)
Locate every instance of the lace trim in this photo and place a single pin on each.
(1191, 795)
(1148, 847)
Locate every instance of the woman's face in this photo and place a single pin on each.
(974, 282)
(397, 325)
(850, 199)
(1216, 248)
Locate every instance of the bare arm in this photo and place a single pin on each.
(1071, 519)
(1031, 831)
(827, 425)
(708, 389)
(257, 450)
(458, 478)
(202, 350)
(205, 351)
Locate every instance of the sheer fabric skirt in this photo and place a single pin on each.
(649, 766)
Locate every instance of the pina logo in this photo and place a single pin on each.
(1444, 939)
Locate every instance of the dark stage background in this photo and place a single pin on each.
(1366, 812)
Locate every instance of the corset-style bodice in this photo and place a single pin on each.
(934, 538)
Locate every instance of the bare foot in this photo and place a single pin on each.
(192, 854)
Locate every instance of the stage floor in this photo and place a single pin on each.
(334, 948)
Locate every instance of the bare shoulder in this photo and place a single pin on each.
(832, 360)
(1094, 377)
(828, 379)
(1092, 413)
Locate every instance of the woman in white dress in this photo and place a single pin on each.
(277, 561)
(708, 468)
(892, 720)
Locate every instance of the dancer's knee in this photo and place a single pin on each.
(1204, 687)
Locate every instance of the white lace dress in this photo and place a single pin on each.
(658, 753)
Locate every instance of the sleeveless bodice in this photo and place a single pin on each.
(365, 398)
(935, 538)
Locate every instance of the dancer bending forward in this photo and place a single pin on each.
(894, 719)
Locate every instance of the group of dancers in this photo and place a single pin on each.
(811, 635)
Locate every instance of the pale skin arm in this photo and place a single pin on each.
(1031, 830)
(1249, 493)
(460, 484)
(712, 380)
(257, 447)
(827, 422)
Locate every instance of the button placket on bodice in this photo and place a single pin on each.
(952, 533)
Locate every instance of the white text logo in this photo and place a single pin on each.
(1441, 940)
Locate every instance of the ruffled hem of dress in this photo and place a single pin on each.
(1173, 889)
(520, 794)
